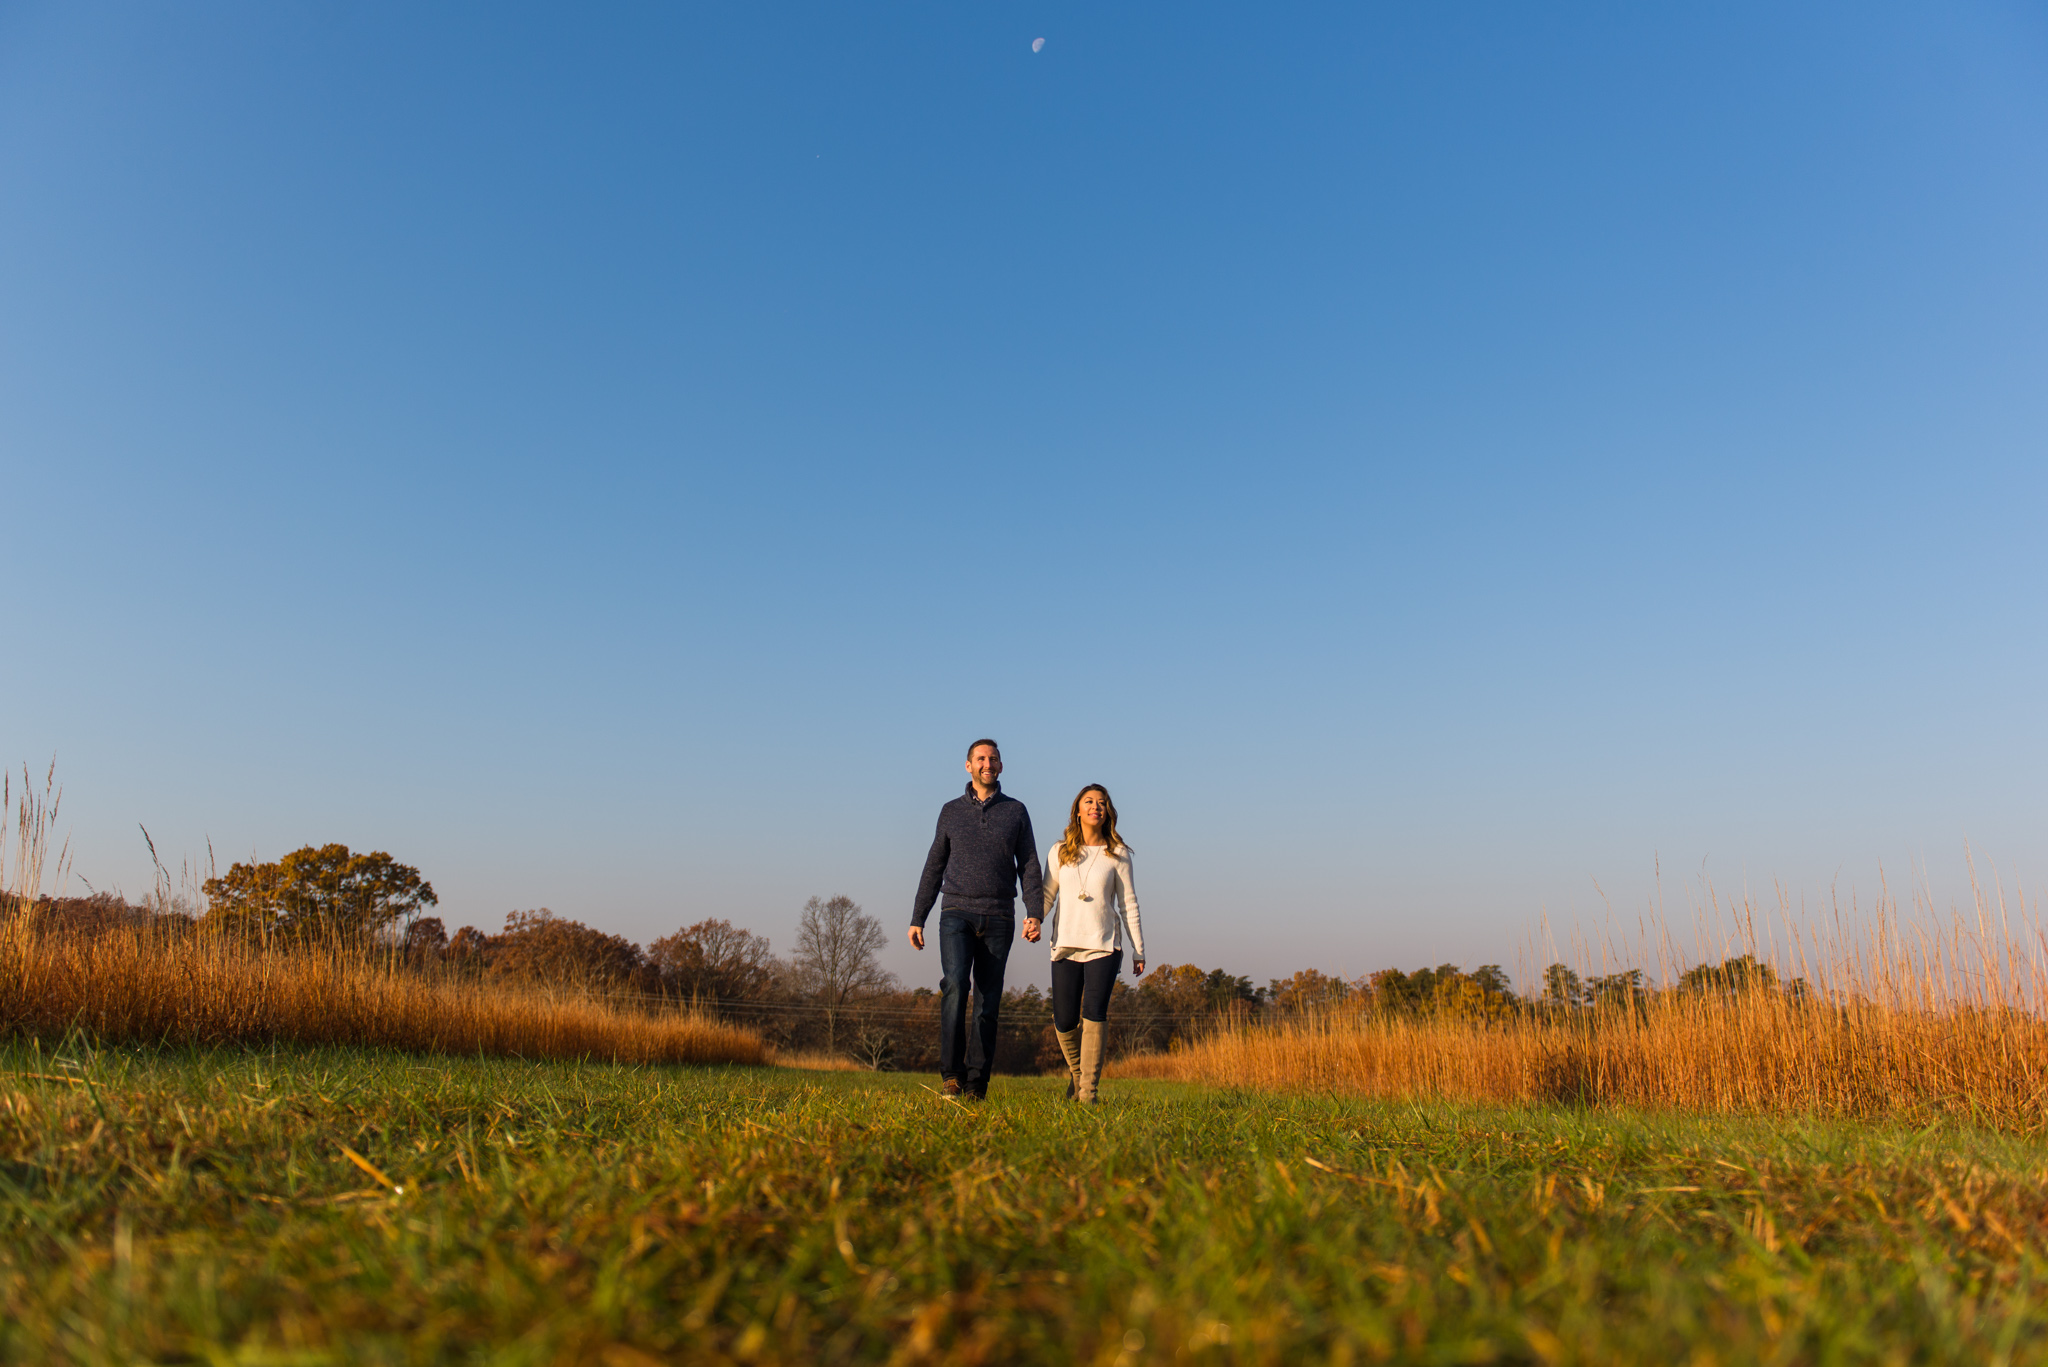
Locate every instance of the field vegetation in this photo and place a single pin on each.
(147, 984)
(324, 946)
(1872, 1021)
(337, 1205)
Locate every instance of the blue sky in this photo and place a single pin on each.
(1428, 461)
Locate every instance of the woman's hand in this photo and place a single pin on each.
(1137, 968)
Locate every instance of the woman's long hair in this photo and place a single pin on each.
(1070, 847)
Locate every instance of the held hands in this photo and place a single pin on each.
(1031, 933)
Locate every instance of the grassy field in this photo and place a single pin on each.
(312, 1205)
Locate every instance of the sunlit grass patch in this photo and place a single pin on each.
(206, 1203)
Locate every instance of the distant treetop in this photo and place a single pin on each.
(324, 890)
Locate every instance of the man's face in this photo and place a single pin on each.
(985, 765)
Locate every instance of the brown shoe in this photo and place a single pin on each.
(950, 1088)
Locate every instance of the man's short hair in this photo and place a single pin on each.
(989, 743)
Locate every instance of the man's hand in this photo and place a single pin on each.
(1031, 929)
(917, 937)
(1137, 968)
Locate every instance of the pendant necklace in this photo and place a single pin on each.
(1084, 875)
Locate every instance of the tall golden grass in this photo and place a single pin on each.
(139, 985)
(163, 983)
(1901, 1019)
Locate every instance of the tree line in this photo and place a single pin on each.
(830, 993)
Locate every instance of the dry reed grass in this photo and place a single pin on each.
(145, 986)
(1751, 1053)
(33, 817)
(1901, 1019)
(162, 984)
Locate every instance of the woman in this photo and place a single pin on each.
(1090, 907)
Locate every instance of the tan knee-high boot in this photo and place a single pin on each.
(1090, 1072)
(1070, 1045)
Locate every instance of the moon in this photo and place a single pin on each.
(1038, 44)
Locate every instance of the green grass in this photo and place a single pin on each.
(199, 1206)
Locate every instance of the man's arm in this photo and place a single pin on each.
(1030, 879)
(934, 875)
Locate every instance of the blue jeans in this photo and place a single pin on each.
(974, 948)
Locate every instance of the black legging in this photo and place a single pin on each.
(1081, 988)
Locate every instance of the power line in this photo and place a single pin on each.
(905, 1013)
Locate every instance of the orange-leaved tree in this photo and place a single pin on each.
(324, 891)
(715, 960)
(1309, 991)
(541, 947)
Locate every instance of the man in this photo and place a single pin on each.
(982, 853)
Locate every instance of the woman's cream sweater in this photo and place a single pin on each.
(1090, 929)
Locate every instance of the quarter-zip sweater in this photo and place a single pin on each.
(980, 855)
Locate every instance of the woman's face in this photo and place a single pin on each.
(1094, 809)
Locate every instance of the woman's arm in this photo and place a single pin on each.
(1127, 897)
(1052, 894)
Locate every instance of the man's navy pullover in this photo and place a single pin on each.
(982, 851)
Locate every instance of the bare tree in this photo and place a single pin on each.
(835, 956)
(874, 1045)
